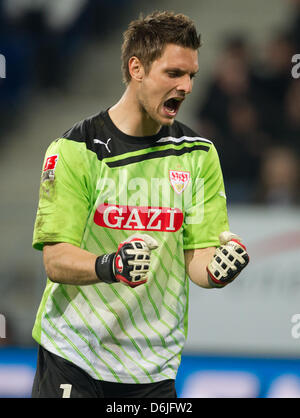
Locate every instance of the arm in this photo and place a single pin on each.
(68, 264)
(196, 262)
(216, 267)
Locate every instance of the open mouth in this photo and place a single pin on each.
(171, 106)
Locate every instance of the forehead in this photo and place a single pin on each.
(175, 56)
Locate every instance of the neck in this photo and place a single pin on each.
(129, 116)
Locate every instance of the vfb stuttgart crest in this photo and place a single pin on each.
(179, 180)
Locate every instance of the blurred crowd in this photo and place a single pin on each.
(41, 41)
(251, 110)
(251, 107)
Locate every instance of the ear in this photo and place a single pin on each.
(136, 69)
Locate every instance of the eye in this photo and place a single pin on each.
(173, 74)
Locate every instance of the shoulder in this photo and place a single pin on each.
(180, 129)
(181, 134)
(76, 143)
(85, 130)
(89, 131)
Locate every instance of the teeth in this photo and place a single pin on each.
(171, 112)
(171, 105)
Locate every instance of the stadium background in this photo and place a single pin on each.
(62, 64)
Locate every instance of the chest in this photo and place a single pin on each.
(150, 195)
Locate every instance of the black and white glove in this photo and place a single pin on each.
(129, 264)
(228, 261)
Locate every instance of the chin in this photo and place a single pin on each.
(160, 119)
(164, 120)
(167, 122)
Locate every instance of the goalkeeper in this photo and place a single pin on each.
(132, 205)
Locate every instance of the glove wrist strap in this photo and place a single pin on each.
(104, 268)
(213, 282)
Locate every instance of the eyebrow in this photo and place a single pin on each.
(180, 71)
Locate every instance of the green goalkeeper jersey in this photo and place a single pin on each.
(98, 187)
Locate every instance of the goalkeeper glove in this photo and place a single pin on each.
(129, 264)
(228, 261)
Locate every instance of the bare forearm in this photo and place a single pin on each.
(68, 264)
(196, 262)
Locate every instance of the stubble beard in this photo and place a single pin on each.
(152, 114)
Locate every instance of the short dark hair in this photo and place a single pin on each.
(146, 38)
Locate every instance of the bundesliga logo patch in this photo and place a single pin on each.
(49, 167)
(179, 180)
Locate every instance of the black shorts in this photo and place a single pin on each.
(58, 378)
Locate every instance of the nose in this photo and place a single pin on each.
(186, 84)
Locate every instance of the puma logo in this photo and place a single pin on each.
(98, 141)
